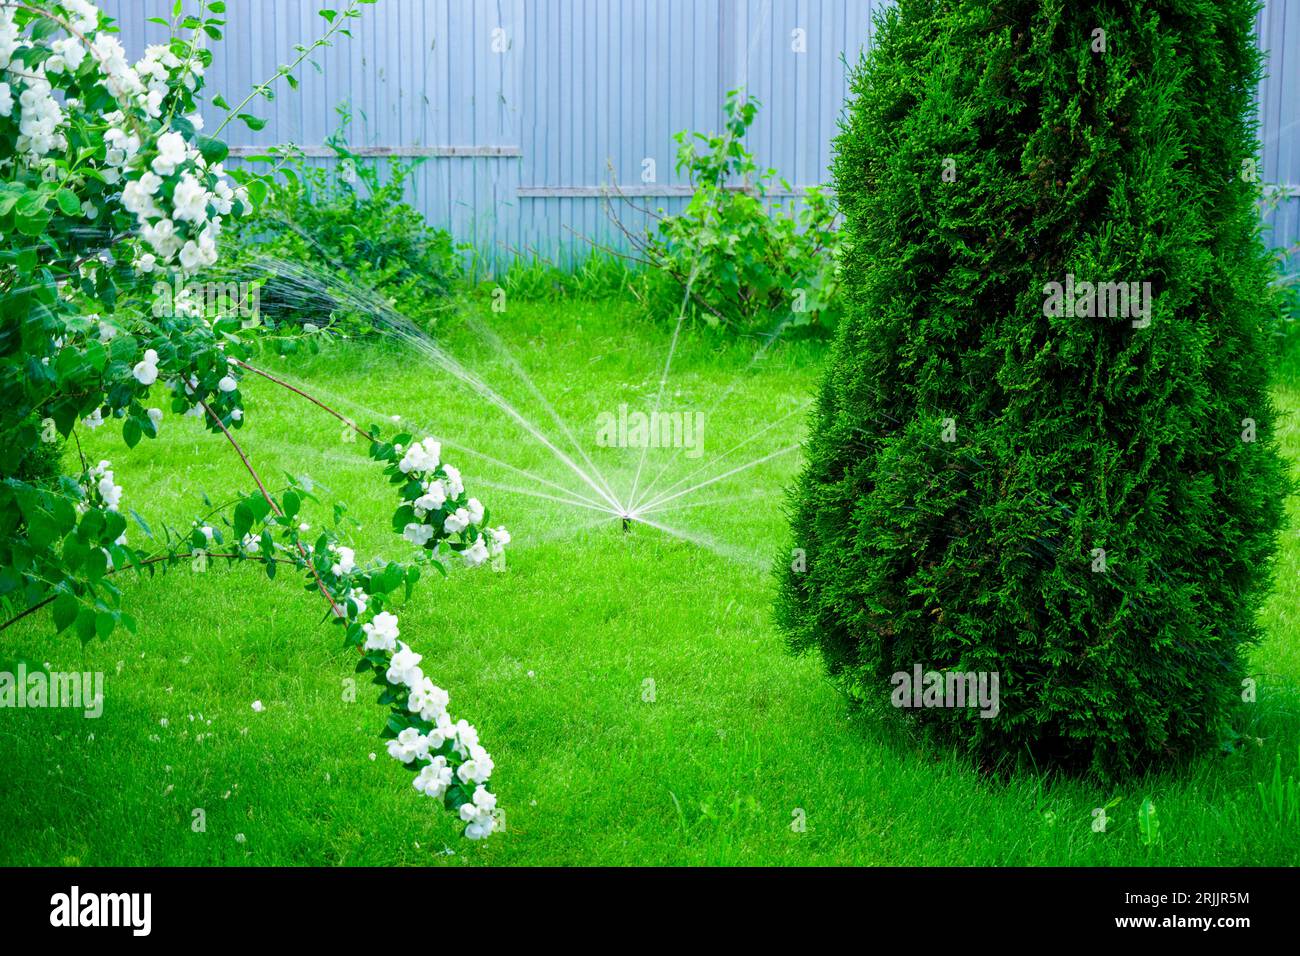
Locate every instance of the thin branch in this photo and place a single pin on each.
(320, 583)
(157, 559)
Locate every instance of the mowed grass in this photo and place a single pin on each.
(640, 706)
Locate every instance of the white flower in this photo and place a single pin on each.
(6, 100)
(428, 700)
(421, 456)
(458, 520)
(475, 508)
(85, 15)
(466, 736)
(192, 257)
(94, 419)
(70, 51)
(443, 730)
(434, 497)
(227, 383)
(499, 537)
(478, 768)
(408, 745)
(190, 200)
(138, 198)
(418, 534)
(381, 632)
(434, 778)
(346, 562)
(146, 370)
(455, 487)
(476, 553)
(171, 153)
(155, 416)
(360, 598)
(163, 239)
(257, 707)
(404, 668)
(479, 814)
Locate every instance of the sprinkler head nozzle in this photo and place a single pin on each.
(627, 522)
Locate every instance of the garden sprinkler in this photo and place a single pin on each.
(627, 522)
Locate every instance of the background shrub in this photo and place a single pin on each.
(751, 268)
(324, 230)
(1068, 434)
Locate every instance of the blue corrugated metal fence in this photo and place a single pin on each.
(528, 107)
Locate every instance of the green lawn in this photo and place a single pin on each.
(551, 659)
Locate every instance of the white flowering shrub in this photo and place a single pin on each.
(107, 185)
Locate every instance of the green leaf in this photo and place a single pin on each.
(213, 150)
(66, 607)
(85, 624)
(254, 123)
(67, 201)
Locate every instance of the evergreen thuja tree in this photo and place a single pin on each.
(1043, 448)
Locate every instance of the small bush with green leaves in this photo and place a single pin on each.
(1082, 500)
(739, 263)
(324, 231)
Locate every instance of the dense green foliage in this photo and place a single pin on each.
(324, 230)
(975, 449)
(751, 264)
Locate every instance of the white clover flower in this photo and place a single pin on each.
(476, 554)
(404, 668)
(434, 778)
(417, 534)
(258, 707)
(458, 520)
(429, 701)
(381, 632)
